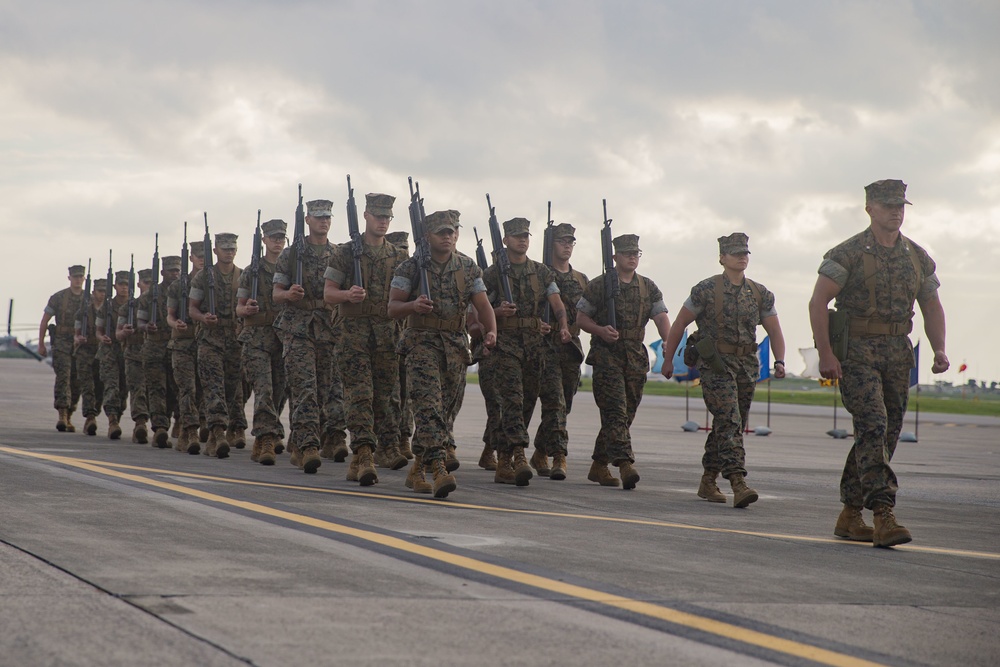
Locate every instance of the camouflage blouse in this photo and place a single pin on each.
(740, 312)
(632, 312)
(310, 318)
(367, 321)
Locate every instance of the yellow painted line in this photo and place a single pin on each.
(488, 508)
(693, 621)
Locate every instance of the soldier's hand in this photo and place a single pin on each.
(252, 307)
(296, 293)
(180, 325)
(608, 334)
(42, 351)
(667, 370)
(779, 371)
(829, 367)
(423, 305)
(79, 340)
(475, 330)
(490, 341)
(211, 320)
(565, 336)
(106, 340)
(506, 309)
(356, 294)
(151, 328)
(545, 328)
(941, 363)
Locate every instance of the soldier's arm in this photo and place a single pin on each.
(487, 319)
(662, 322)
(42, 330)
(934, 327)
(773, 328)
(673, 338)
(825, 291)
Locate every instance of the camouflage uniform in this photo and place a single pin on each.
(112, 360)
(620, 368)
(876, 374)
(63, 306)
(88, 366)
(132, 353)
(161, 392)
(367, 348)
(398, 402)
(263, 369)
(184, 355)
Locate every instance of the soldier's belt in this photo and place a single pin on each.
(632, 334)
(180, 335)
(364, 309)
(264, 319)
(739, 350)
(866, 327)
(435, 323)
(64, 330)
(309, 304)
(512, 323)
(158, 336)
(135, 340)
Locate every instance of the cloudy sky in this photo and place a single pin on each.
(694, 119)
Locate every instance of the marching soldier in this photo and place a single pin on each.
(159, 376)
(112, 361)
(63, 306)
(399, 403)
(85, 357)
(132, 339)
(184, 359)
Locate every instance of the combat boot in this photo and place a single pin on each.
(221, 442)
(161, 439)
(265, 456)
(194, 446)
(90, 426)
(708, 489)
(558, 470)
(887, 532)
(69, 422)
(279, 445)
(444, 481)
(114, 428)
(505, 472)
(340, 450)
(139, 432)
(237, 438)
(380, 451)
(599, 473)
(255, 450)
(393, 459)
(203, 431)
(352, 469)
(182, 442)
(451, 461)
(743, 495)
(415, 478)
(295, 457)
(310, 459)
(488, 459)
(63, 417)
(212, 444)
(540, 462)
(367, 475)
(522, 471)
(630, 476)
(175, 432)
(851, 525)
(404, 447)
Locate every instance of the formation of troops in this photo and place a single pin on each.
(369, 344)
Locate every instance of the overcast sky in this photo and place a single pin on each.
(694, 119)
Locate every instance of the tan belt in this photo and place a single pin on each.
(632, 334)
(364, 309)
(65, 330)
(309, 304)
(264, 319)
(739, 350)
(435, 323)
(866, 327)
(514, 323)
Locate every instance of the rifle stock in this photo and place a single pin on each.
(258, 241)
(500, 258)
(209, 273)
(422, 250)
(353, 230)
(611, 286)
(299, 240)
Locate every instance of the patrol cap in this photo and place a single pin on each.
(889, 191)
(145, 275)
(516, 227)
(626, 243)
(101, 284)
(274, 227)
(78, 270)
(734, 244)
(377, 203)
(121, 277)
(225, 241)
(171, 263)
(399, 239)
(319, 208)
(197, 248)
(438, 220)
(564, 231)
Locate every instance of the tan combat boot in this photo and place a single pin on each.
(203, 431)
(851, 525)
(255, 450)
(63, 418)
(161, 439)
(367, 475)
(379, 456)
(415, 478)
(194, 446)
(237, 438)
(90, 426)
(114, 428)
(505, 472)
(404, 447)
(887, 532)
(743, 495)
(338, 443)
(295, 456)
(69, 422)
(488, 459)
(522, 471)
(310, 459)
(558, 470)
(708, 489)
(599, 473)
(444, 481)
(353, 468)
(630, 476)
(451, 461)
(279, 445)
(540, 462)
(139, 432)
(175, 432)
(212, 443)
(221, 442)
(392, 458)
(266, 456)
(181, 444)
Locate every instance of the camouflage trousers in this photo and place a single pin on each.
(309, 369)
(370, 378)
(136, 381)
(491, 432)
(402, 405)
(559, 382)
(113, 377)
(513, 383)
(875, 389)
(88, 373)
(264, 373)
(184, 361)
(66, 389)
(221, 386)
(727, 396)
(617, 392)
(435, 382)
(161, 393)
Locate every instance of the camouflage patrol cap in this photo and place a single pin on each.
(398, 239)
(377, 203)
(626, 243)
(145, 275)
(78, 270)
(197, 248)
(889, 191)
(225, 241)
(438, 220)
(121, 277)
(172, 263)
(319, 208)
(101, 284)
(564, 231)
(274, 227)
(734, 244)
(516, 227)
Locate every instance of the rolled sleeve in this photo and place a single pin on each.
(281, 279)
(657, 308)
(49, 310)
(142, 315)
(585, 307)
(243, 293)
(834, 272)
(196, 294)
(335, 275)
(552, 289)
(478, 286)
(172, 302)
(402, 283)
(695, 310)
(929, 287)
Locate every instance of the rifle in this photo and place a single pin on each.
(182, 301)
(357, 244)
(85, 308)
(500, 259)
(611, 286)
(480, 251)
(130, 314)
(255, 261)
(422, 249)
(155, 301)
(209, 273)
(109, 290)
(299, 240)
(547, 242)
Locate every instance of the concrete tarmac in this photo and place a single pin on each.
(113, 553)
